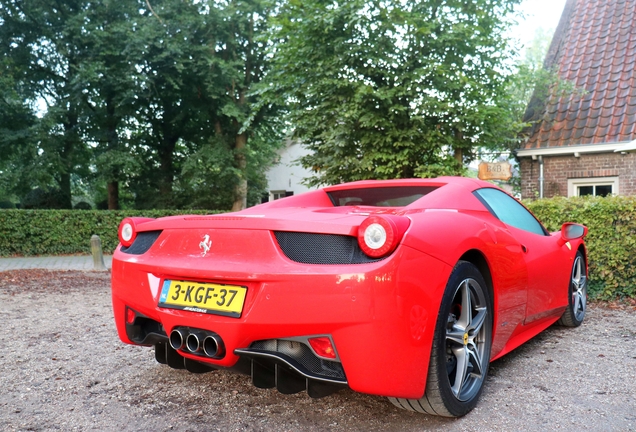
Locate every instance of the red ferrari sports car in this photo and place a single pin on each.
(400, 288)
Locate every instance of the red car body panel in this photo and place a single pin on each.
(380, 315)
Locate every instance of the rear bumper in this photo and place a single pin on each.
(380, 316)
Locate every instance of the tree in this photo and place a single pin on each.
(201, 127)
(108, 76)
(17, 125)
(138, 95)
(40, 40)
(388, 89)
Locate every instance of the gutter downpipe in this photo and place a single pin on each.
(540, 176)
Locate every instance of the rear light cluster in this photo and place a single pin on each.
(128, 230)
(379, 235)
(130, 316)
(322, 347)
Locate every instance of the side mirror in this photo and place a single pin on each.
(572, 231)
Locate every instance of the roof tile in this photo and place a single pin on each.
(594, 47)
(604, 122)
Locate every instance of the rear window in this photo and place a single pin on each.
(379, 197)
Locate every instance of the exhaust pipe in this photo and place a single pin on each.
(177, 338)
(198, 342)
(213, 346)
(194, 342)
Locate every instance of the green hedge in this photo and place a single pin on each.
(58, 232)
(611, 241)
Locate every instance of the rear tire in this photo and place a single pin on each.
(460, 354)
(577, 294)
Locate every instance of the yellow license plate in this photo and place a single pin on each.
(208, 298)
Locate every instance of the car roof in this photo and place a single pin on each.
(465, 182)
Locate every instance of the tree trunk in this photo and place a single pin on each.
(459, 156)
(458, 153)
(240, 190)
(70, 142)
(113, 195)
(166, 180)
(166, 166)
(113, 144)
(408, 171)
(65, 187)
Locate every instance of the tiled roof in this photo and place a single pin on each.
(594, 47)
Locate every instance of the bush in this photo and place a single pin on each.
(611, 241)
(58, 232)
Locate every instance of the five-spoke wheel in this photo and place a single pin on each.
(461, 347)
(465, 340)
(577, 294)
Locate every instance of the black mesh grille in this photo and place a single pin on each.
(310, 248)
(303, 355)
(142, 242)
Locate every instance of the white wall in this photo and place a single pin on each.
(288, 173)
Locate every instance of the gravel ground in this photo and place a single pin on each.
(64, 368)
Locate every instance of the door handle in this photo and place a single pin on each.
(524, 248)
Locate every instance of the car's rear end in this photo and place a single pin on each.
(288, 296)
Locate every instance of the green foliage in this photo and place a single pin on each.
(134, 98)
(47, 198)
(17, 129)
(39, 39)
(198, 62)
(611, 241)
(58, 232)
(391, 89)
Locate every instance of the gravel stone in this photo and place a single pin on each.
(64, 368)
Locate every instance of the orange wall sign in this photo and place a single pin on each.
(495, 171)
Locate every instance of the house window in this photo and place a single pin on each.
(593, 186)
(274, 195)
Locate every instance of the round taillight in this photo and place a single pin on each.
(379, 235)
(375, 236)
(127, 232)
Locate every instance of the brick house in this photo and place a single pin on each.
(586, 144)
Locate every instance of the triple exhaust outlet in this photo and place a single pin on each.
(200, 342)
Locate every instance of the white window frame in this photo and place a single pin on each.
(576, 183)
(278, 194)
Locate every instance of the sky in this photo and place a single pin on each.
(539, 13)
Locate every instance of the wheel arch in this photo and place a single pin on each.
(583, 251)
(478, 259)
